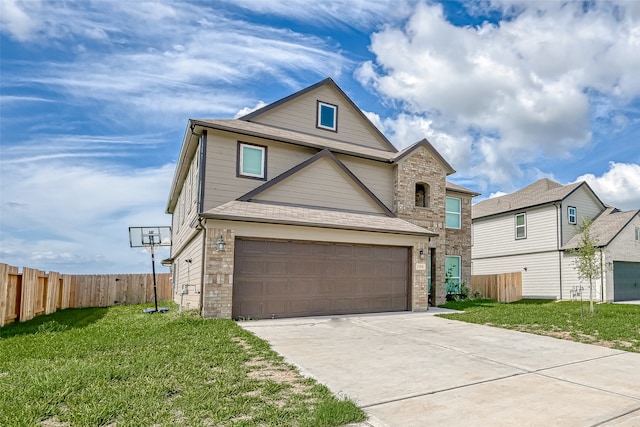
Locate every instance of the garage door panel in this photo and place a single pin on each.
(250, 266)
(311, 278)
(626, 281)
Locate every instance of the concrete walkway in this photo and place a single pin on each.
(415, 369)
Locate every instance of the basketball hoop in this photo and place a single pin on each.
(149, 238)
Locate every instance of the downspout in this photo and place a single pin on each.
(601, 278)
(202, 262)
(558, 240)
(203, 160)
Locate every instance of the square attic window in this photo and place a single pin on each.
(327, 116)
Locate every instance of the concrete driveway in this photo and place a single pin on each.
(414, 369)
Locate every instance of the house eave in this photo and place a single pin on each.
(223, 217)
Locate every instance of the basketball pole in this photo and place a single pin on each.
(153, 269)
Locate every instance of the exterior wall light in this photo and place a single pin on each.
(421, 253)
(220, 244)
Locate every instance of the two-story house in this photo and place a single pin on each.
(533, 229)
(304, 207)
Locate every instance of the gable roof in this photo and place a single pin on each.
(541, 192)
(460, 189)
(237, 210)
(324, 154)
(424, 143)
(292, 137)
(605, 227)
(326, 82)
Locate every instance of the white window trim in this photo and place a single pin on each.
(262, 174)
(459, 213)
(319, 124)
(575, 215)
(515, 223)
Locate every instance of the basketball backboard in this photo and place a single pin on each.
(140, 237)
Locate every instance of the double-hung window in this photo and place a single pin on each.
(453, 212)
(252, 160)
(327, 116)
(521, 226)
(572, 215)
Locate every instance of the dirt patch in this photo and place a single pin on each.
(266, 370)
(53, 422)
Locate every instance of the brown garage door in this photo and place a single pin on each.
(275, 279)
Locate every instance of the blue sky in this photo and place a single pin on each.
(95, 97)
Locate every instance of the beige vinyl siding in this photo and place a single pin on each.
(376, 176)
(587, 207)
(221, 182)
(300, 115)
(321, 184)
(189, 274)
(540, 280)
(495, 236)
(186, 209)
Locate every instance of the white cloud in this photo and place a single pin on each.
(15, 22)
(75, 218)
(351, 13)
(619, 186)
(162, 59)
(246, 110)
(521, 89)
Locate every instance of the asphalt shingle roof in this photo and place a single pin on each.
(298, 138)
(305, 216)
(605, 227)
(539, 193)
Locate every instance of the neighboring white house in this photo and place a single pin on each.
(532, 230)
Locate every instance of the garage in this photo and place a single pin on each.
(276, 278)
(626, 281)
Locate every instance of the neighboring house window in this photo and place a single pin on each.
(573, 215)
(637, 233)
(327, 116)
(422, 195)
(452, 274)
(521, 226)
(252, 160)
(453, 212)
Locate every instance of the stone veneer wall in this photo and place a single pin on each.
(422, 167)
(218, 275)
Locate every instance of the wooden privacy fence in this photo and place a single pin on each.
(504, 287)
(33, 292)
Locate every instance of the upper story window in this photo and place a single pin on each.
(252, 161)
(453, 212)
(521, 226)
(422, 195)
(637, 233)
(327, 116)
(572, 215)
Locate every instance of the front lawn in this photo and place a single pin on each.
(613, 325)
(120, 367)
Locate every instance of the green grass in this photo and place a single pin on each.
(119, 366)
(612, 325)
